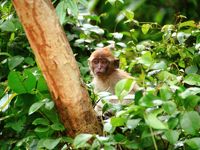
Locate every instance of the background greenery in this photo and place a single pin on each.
(158, 42)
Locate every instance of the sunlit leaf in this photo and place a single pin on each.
(172, 136)
(190, 122)
(118, 121)
(80, 140)
(51, 143)
(192, 79)
(15, 61)
(154, 122)
(145, 28)
(194, 143)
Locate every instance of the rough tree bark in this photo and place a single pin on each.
(58, 65)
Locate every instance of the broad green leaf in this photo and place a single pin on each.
(21, 84)
(15, 81)
(159, 65)
(172, 136)
(190, 122)
(129, 14)
(154, 122)
(133, 123)
(191, 101)
(123, 87)
(34, 107)
(148, 100)
(29, 81)
(190, 91)
(189, 23)
(146, 59)
(108, 127)
(49, 105)
(41, 121)
(61, 11)
(192, 79)
(15, 61)
(72, 7)
(118, 121)
(57, 127)
(51, 143)
(42, 129)
(80, 140)
(194, 143)
(191, 69)
(119, 137)
(8, 26)
(42, 85)
(145, 28)
(169, 107)
(29, 61)
(165, 93)
(172, 122)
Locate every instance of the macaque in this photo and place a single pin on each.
(105, 70)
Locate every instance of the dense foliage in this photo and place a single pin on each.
(163, 57)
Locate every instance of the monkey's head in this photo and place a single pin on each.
(102, 62)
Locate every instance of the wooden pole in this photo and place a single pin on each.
(58, 65)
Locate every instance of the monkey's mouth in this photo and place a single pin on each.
(99, 73)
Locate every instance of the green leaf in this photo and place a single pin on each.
(21, 84)
(15, 61)
(146, 59)
(29, 61)
(123, 87)
(108, 127)
(190, 122)
(10, 25)
(57, 127)
(49, 105)
(172, 136)
(51, 143)
(118, 121)
(42, 129)
(129, 14)
(194, 143)
(191, 101)
(41, 121)
(61, 11)
(191, 69)
(189, 23)
(169, 107)
(34, 107)
(72, 7)
(42, 85)
(29, 81)
(159, 65)
(192, 79)
(145, 28)
(80, 140)
(132, 123)
(154, 122)
(165, 93)
(189, 92)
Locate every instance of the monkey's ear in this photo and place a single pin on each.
(116, 63)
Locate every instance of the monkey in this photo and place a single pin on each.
(104, 67)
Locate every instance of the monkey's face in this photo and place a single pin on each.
(100, 66)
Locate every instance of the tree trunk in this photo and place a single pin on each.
(55, 58)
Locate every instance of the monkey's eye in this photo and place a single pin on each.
(104, 61)
(95, 61)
